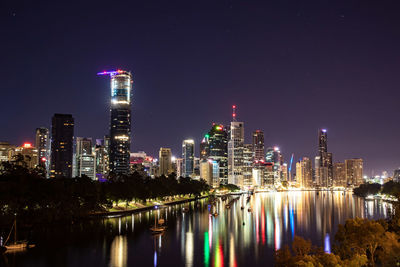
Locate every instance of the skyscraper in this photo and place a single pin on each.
(248, 165)
(165, 161)
(62, 137)
(101, 156)
(325, 168)
(304, 172)
(179, 167)
(339, 174)
(274, 159)
(218, 150)
(120, 124)
(85, 158)
(354, 171)
(188, 157)
(235, 153)
(42, 145)
(258, 145)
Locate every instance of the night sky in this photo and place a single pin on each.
(291, 67)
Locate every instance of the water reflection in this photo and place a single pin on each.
(119, 252)
(236, 237)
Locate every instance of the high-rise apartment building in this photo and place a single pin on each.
(188, 157)
(26, 155)
(42, 145)
(102, 157)
(248, 165)
(274, 158)
(179, 167)
(62, 137)
(85, 158)
(258, 145)
(6, 150)
(218, 150)
(235, 153)
(354, 171)
(304, 172)
(339, 174)
(165, 161)
(120, 124)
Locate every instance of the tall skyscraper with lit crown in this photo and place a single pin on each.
(120, 123)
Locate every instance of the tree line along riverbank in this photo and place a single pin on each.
(37, 200)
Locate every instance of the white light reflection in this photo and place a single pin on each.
(119, 252)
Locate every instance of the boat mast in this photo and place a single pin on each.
(15, 229)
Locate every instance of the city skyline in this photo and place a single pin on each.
(276, 63)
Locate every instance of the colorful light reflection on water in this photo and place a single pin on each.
(236, 237)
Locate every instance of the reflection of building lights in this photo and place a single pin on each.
(327, 247)
(119, 252)
(206, 250)
(189, 249)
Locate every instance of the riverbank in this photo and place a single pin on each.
(118, 213)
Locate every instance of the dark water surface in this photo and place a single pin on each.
(234, 238)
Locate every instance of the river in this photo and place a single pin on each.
(236, 237)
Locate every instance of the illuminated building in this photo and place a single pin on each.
(325, 167)
(248, 165)
(101, 156)
(42, 145)
(339, 174)
(235, 153)
(188, 157)
(204, 148)
(179, 167)
(165, 162)
(274, 158)
(196, 170)
(396, 175)
(27, 155)
(218, 150)
(354, 171)
(62, 137)
(120, 124)
(258, 145)
(85, 158)
(6, 151)
(284, 169)
(206, 171)
(304, 172)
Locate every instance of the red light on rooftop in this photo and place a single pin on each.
(27, 145)
(234, 106)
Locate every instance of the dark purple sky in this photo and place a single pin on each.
(290, 66)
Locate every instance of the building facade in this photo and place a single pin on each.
(42, 144)
(85, 158)
(62, 137)
(188, 157)
(165, 162)
(339, 174)
(120, 121)
(304, 173)
(258, 145)
(235, 153)
(218, 150)
(354, 172)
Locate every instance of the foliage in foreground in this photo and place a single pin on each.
(36, 199)
(359, 242)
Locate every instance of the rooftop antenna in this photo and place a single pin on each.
(234, 112)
